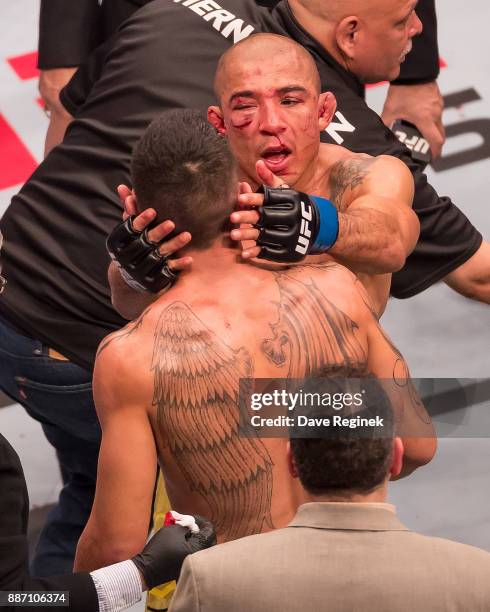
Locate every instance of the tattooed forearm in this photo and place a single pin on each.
(401, 377)
(196, 384)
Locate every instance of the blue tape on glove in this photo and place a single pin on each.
(328, 230)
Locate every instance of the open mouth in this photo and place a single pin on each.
(406, 52)
(276, 157)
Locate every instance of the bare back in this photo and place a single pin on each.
(187, 353)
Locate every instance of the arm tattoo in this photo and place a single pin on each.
(322, 339)
(126, 331)
(401, 374)
(346, 175)
(196, 382)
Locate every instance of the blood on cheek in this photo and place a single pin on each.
(241, 119)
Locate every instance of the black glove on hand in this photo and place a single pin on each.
(162, 558)
(293, 224)
(142, 266)
(281, 218)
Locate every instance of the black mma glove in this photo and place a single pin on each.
(162, 558)
(293, 225)
(141, 264)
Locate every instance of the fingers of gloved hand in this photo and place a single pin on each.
(123, 191)
(244, 234)
(245, 216)
(251, 252)
(181, 264)
(250, 199)
(140, 222)
(128, 200)
(175, 243)
(159, 232)
(244, 187)
(267, 177)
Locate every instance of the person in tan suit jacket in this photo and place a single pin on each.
(344, 551)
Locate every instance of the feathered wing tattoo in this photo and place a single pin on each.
(321, 337)
(196, 383)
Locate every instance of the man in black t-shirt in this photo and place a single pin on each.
(68, 33)
(56, 304)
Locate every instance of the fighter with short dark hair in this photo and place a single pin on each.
(166, 386)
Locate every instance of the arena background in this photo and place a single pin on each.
(441, 334)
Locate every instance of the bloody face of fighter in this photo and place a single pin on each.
(271, 107)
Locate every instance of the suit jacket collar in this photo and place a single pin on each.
(345, 516)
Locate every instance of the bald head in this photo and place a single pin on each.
(261, 50)
(330, 10)
(335, 10)
(370, 38)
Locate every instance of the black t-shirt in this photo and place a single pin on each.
(164, 57)
(70, 31)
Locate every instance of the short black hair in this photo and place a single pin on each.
(344, 461)
(185, 170)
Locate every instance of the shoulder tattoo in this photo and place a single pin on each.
(125, 332)
(347, 175)
(322, 339)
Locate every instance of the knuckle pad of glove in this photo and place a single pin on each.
(121, 235)
(135, 252)
(276, 235)
(277, 216)
(151, 263)
(280, 223)
(139, 257)
(278, 254)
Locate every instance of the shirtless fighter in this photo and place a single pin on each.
(166, 386)
(272, 112)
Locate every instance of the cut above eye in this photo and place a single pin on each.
(243, 106)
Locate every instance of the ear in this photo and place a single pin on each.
(290, 459)
(346, 35)
(327, 105)
(216, 119)
(397, 459)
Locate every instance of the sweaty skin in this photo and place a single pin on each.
(166, 390)
(271, 111)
